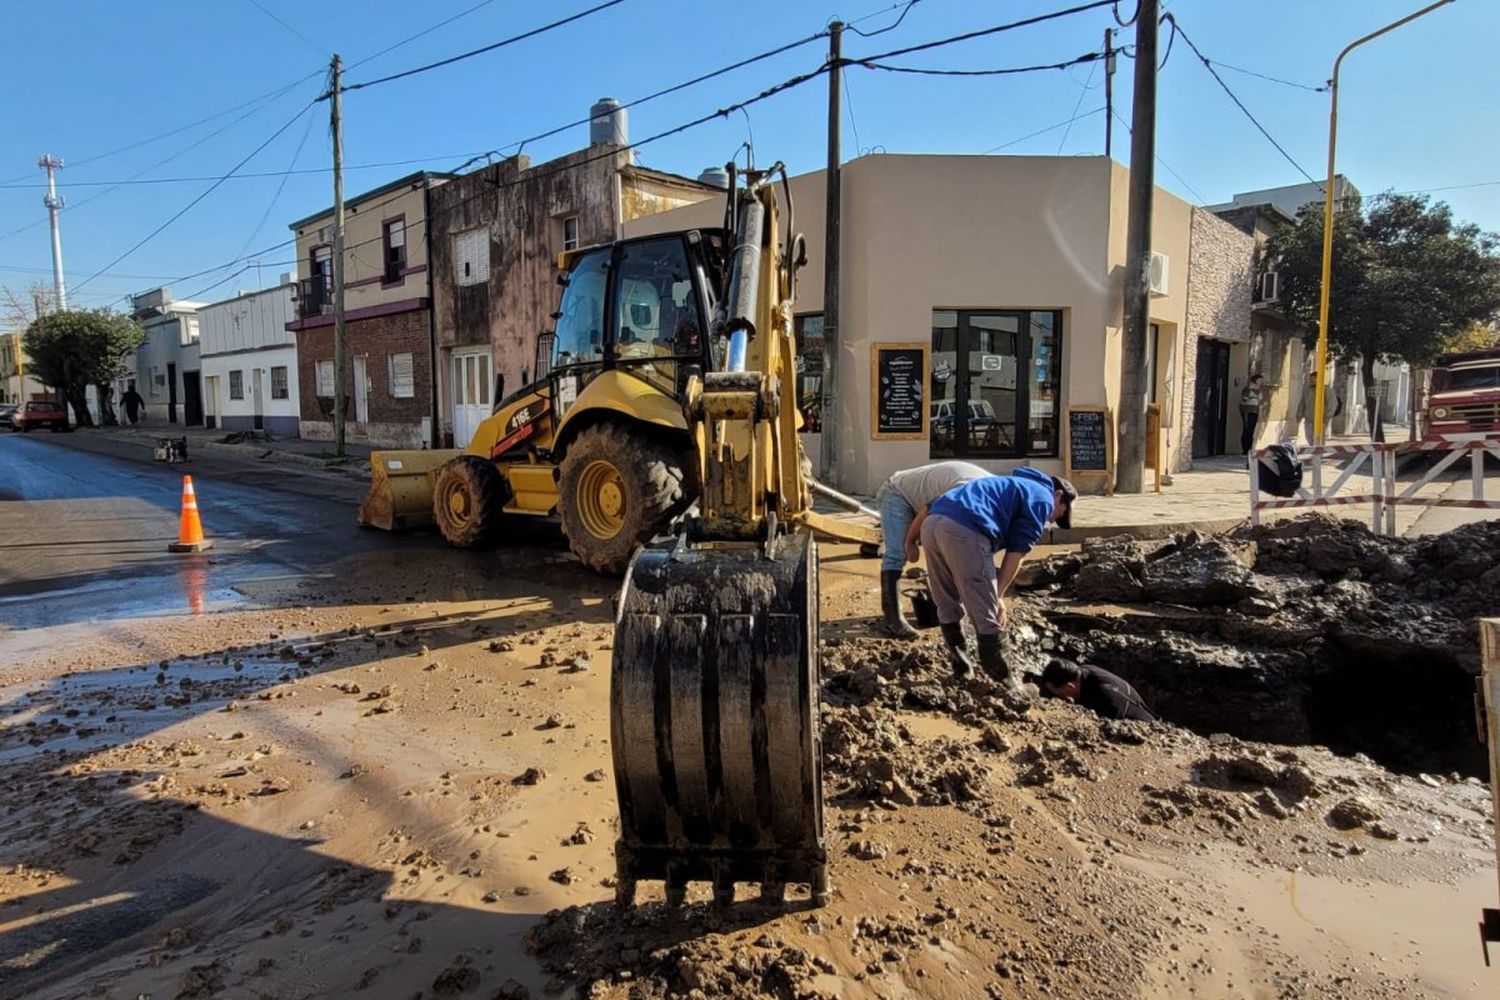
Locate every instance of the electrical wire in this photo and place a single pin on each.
(1042, 131)
(1165, 165)
(1077, 61)
(424, 32)
(1239, 103)
(1274, 79)
(204, 194)
(1082, 93)
(482, 50)
(983, 32)
(256, 4)
(906, 9)
(306, 131)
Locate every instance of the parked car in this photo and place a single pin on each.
(42, 413)
(7, 415)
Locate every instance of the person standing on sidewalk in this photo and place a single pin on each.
(962, 530)
(1250, 404)
(133, 403)
(900, 499)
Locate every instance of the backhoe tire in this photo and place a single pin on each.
(618, 488)
(468, 502)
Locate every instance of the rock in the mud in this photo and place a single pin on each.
(1212, 572)
(563, 876)
(203, 981)
(1353, 813)
(868, 850)
(1107, 580)
(530, 776)
(511, 990)
(460, 977)
(597, 774)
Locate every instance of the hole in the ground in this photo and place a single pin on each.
(1410, 712)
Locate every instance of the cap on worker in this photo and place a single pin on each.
(1069, 495)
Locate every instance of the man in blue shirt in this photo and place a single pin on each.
(962, 530)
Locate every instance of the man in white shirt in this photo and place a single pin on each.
(900, 499)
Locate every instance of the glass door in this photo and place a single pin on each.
(995, 376)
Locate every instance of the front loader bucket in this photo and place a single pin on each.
(713, 718)
(401, 488)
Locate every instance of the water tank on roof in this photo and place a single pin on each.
(608, 123)
(717, 176)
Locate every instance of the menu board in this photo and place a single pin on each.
(1088, 440)
(898, 376)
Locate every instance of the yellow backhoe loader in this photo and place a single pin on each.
(600, 438)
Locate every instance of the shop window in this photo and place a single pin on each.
(403, 384)
(278, 382)
(237, 385)
(809, 329)
(994, 383)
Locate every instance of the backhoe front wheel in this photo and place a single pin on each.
(468, 501)
(617, 489)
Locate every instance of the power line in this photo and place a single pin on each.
(256, 4)
(425, 31)
(923, 71)
(306, 131)
(1025, 22)
(905, 9)
(1274, 79)
(204, 194)
(1042, 131)
(1177, 28)
(1451, 187)
(480, 51)
(1166, 166)
(1082, 93)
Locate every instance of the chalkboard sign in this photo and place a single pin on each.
(898, 391)
(1088, 440)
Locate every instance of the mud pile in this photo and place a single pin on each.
(1312, 630)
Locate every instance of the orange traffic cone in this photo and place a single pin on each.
(190, 534)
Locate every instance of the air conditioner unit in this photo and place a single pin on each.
(1270, 287)
(1158, 273)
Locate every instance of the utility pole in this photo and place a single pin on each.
(828, 405)
(54, 204)
(1130, 466)
(340, 361)
(1109, 92)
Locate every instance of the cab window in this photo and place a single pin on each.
(580, 328)
(656, 310)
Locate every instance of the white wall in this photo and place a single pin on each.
(252, 320)
(279, 416)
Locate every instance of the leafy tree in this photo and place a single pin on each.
(73, 350)
(1407, 280)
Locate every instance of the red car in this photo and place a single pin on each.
(41, 413)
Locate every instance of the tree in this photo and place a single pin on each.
(71, 351)
(1407, 280)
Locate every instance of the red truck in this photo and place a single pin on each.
(1464, 401)
(41, 413)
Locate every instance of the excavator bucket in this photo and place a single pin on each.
(401, 488)
(714, 719)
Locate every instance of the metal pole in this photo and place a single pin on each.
(1109, 92)
(1130, 467)
(1324, 286)
(828, 404)
(340, 395)
(54, 205)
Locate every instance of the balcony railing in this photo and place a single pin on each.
(314, 296)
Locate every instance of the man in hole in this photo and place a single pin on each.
(1096, 689)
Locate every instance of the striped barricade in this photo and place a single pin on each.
(1397, 495)
(1369, 456)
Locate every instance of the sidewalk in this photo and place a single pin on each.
(318, 454)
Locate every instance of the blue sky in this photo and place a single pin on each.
(1417, 110)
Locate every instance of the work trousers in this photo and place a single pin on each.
(1247, 433)
(961, 574)
(896, 516)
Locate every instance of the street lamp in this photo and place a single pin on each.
(1323, 288)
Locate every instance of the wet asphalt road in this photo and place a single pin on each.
(85, 519)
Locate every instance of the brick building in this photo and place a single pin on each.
(389, 398)
(496, 236)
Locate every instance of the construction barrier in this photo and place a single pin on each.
(1329, 494)
(1380, 485)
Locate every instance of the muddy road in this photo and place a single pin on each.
(384, 770)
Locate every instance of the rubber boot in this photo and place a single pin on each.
(890, 606)
(992, 659)
(958, 654)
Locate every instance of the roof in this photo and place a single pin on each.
(363, 196)
(669, 177)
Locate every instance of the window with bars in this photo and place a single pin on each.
(325, 378)
(403, 384)
(471, 257)
(278, 382)
(237, 384)
(395, 249)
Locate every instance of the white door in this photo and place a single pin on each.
(257, 396)
(471, 395)
(361, 392)
(211, 401)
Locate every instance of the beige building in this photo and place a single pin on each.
(1002, 278)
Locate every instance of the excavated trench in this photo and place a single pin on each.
(1310, 631)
